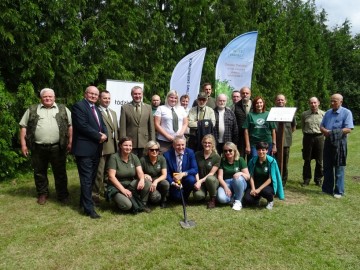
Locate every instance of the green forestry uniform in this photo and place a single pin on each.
(259, 129)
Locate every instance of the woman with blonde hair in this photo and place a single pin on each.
(170, 121)
(155, 170)
(233, 175)
(208, 161)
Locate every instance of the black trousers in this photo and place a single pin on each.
(313, 146)
(42, 155)
(267, 193)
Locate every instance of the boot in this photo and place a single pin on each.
(212, 203)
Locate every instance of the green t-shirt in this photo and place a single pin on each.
(125, 171)
(205, 165)
(259, 129)
(261, 173)
(153, 170)
(230, 169)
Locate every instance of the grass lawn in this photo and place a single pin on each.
(309, 230)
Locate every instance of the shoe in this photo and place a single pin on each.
(146, 209)
(42, 199)
(212, 203)
(337, 196)
(94, 215)
(270, 205)
(64, 200)
(318, 183)
(237, 205)
(305, 184)
(163, 205)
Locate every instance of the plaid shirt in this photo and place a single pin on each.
(231, 132)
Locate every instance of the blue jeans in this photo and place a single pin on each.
(237, 187)
(333, 175)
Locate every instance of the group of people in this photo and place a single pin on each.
(157, 152)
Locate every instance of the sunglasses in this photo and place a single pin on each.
(154, 150)
(228, 151)
(207, 143)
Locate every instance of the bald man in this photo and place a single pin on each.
(336, 125)
(313, 142)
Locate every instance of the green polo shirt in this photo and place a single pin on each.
(125, 171)
(154, 170)
(230, 169)
(259, 129)
(261, 173)
(205, 165)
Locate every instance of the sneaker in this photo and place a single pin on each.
(270, 205)
(337, 196)
(237, 205)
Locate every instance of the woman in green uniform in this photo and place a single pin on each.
(265, 180)
(208, 162)
(257, 129)
(154, 167)
(126, 177)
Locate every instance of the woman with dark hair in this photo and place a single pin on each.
(126, 177)
(233, 175)
(208, 162)
(257, 129)
(265, 178)
(155, 169)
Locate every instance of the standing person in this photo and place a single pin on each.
(257, 129)
(208, 161)
(155, 103)
(226, 129)
(155, 170)
(207, 88)
(184, 102)
(127, 180)
(233, 175)
(336, 125)
(45, 130)
(137, 122)
(236, 97)
(289, 128)
(313, 142)
(241, 110)
(181, 169)
(265, 180)
(89, 135)
(170, 121)
(109, 147)
(201, 121)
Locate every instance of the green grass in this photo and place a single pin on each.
(309, 230)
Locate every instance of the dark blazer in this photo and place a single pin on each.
(240, 114)
(141, 131)
(86, 136)
(189, 164)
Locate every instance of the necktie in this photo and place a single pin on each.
(175, 120)
(202, 114)
(108, 114)
(95, 115)
(179, 165)
(138, 111)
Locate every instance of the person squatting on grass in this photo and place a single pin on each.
(233, 175)
(126, 178)
(265, 180)
(155, 169)
(208, 161)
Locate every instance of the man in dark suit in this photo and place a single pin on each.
(181, 168)
(109, 147)
(89, 133)
(241, 110)
(137, 122)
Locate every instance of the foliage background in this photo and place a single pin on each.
(68, 45)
